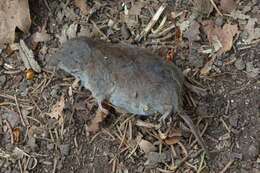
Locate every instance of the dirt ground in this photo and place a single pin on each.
(227, 115)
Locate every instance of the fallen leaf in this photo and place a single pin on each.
(146, 146)
(57, 109)
(27, 57)
(193, 32)
(203, 6)
(13, 14)
(220, 38)
(252, 30)
(82, 5)
(96, 121)
(227, 5)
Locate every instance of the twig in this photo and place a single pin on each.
(23, 120)
(9, 127)
(47, 5)
(227, 166)
(151, 23)
(97, 28)
(162, 33)
(216, 8)
(160, 25)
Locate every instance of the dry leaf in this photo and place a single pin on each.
(27, 57)
(220, 38)
(227, 5)
(252, 30)
(146, 146)
(82, 5)
(57, 109)
(193, 32)
(95, 122)
(203, 6)
(13, 14)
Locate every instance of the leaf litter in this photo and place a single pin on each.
(154, 143)
(13, 14)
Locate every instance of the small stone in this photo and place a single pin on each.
(240, 64)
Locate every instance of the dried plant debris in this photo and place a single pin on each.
(253, 32)
(96, 121)
(57, 110)
(27, 57)
(203, 6)
(221, 39)
(82, 5)
(68, 32)
(13, 14)
(227, 5)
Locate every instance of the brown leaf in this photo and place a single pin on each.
(96, 121)
(13, 14)
(227, 5)
(82, 5)
(220, 38)
(57, 109)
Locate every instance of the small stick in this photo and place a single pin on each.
(152, 22)
(10, 130)
(227, 166)
(23, 120)
(216, 8)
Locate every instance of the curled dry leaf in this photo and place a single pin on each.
(82, 5)
(13, 14)
(220, 38)
(146, 146)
